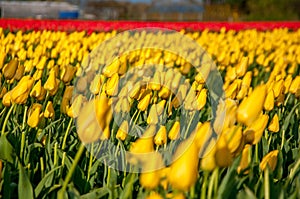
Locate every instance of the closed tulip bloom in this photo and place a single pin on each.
(174, 132)
(208, 161)
(122, 131)
(287, 83)
(161, 136)
(2, 59)
(20, 72)
(34, 115)
(105, 135)
(74, 110)
(111, 69)
(144, 102)
(250, 108)
(155, 83)
(274, 124)
(37, 90)
(103, 110)
(96, 84)
(255, 131)
(165, 91)
(6, 101)
(88, 127)
(150, 180)
(160, 107)
(51, 84)
(269, 102)
(245, 160)
(184, 168)
(49, 110)
(154, 195)
(112, 85)
(135, 91)
(295, 85)
(247, 79)
(270, 159)
(10, 69)
(67, 73)
(3, 92)
(278, 88)
(20, 93)
(153, 116)
(234, 138)
(201, 99)
(242, 67)
(223, 156)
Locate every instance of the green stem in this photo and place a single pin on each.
(91, 161)
(256, 152)
(267, 183)
(216, 180)
(62, 191)
(204, 185)
(66, 134)
(6, 118)
(189, 125)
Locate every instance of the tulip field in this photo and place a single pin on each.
(126, 110)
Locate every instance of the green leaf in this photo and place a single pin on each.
(6, 150)
(42, 183)
(288, 118)
(96, 193)
(24, 188)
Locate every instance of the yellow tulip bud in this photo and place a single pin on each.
(287, 83)
(247, 79)
(208, 161)
(270, 159)
(154, 195)
(135, 91)
(3, 92)
(184, 170)
(81, 84)
(112, 85)
(255, 131)
(51, 84)
(153, 116)
(242, 67)
(103, 110)
(2, 59)
(20, 93)
(234, 138)
(34, 115)
(144, 102)
(230, 74)
(6, 101)
(161, 136)
(49, 110)
(37, 90)
(105, 135)
(269, 102)
(201, 99)
(20, 72)
(123, 131)
(165, 91)
(274, 124)
(155, 83)
(245, 160)
(250, 107)
(10, 69)
(278, 88)
(96, 84)
(111, 69)
(174, 132)
(74, 110)
(295, 85)
(223, 156)
(41, 64)
(160, 107)
(67, 73)
(149, 180)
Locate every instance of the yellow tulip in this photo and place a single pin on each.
(270, 159)
(96, 84)
(242, 67)
(19, 72)
(160, 107)
(123, 131)
(6, 101)
(3, 92)
(67, 96)
(144, 102)
(255, 131)
(184, 168)
(135, 91)
(20, 93)
(208, 161)
(2, 59)
(201, 99)
(74, 110)
(10, 69)
(112, 85)
(49, 110)
(174, 132)
(111, 69)
(51, 84)
(287, 83)
(67, 73)
(34, 115)
(247, 79)
(274, 124)
(278, 88)
(295, 85)
(250, 108)
(235, 139)
(161, 136)
(155, 83)
(269, 102)
(223, 156)
(154, 195)
(153, 116)
(245, 160)
(165, 91)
